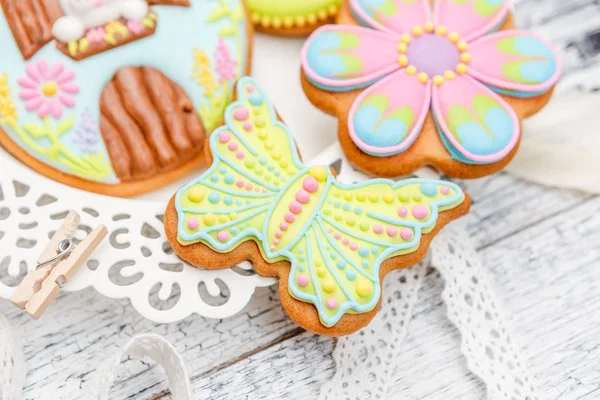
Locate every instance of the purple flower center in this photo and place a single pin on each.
(433, 54)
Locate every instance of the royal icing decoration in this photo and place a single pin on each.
(289, 14)
(334, 235)
(114, 90)
(449, 60)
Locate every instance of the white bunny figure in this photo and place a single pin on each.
(81, 15)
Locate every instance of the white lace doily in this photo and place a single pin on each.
(135, 262)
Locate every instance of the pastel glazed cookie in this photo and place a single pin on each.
(292, 17)
(447, 87)
(329, 243)
(116, 96)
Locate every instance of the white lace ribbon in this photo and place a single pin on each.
(160, 351)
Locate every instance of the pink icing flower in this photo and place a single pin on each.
(135, 26)
(449, 60)
(46, 89)
(225, 65)
(95, 35)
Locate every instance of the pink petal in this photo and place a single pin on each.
(43, 69)
(65, 76)
(329, 63)
(408, 14)
(33, 72)
(534, 65)
(28, 94)
(388, 117)
(476, 124)
(33, 104)
(44, 109)
(71, 88)
(55, 70)
(67, 100)
(463, 18)
(27, 82)
(56, 108)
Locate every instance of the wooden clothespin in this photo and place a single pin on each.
(57, 264)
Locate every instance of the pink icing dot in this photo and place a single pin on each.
(329, 230)
(278, 234)
(302, 280)
(289, 217)
(310, 184)
(296, 207)
(337, 236)
(241, 114)
(248, 126)
(406, 233)
(283, 226)
(232, 146)
(240, 154)
(250, 88)
(331, 303)
(346, 241)
(224, 137)
(378, 229)
(257, 189)
(392, 231)
(402, 211)
(249, 186)
(223, 236)
(445, 190)
(420, 211)
(193, 223)
(239, 183)
(303, 196)
(265, 190)
(275, 241)
(353, 246)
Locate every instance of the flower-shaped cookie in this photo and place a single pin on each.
(451, 59)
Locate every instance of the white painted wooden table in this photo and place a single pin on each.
(540, 246)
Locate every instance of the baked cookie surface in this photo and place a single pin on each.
(443, 83)
(116, 96)
(329, 243)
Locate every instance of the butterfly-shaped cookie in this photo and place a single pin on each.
(330, 243)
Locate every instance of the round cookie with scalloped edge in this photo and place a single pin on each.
(292, 17)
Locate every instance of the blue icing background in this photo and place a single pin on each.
(179, 31)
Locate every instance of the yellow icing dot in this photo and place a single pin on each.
(265, 21)
(438, 80)
(364, 226)
(327, 211)
(262, 135)
(288, 22)
(333, 10)
(258, 170)
(232, 216)
(461, 69)
(337, 217)
(256, 110)
(196, 194)
(417, 197)
(259, 122)
(269, 145)
(417, 30)
(268, 178)
(209, 219)
(277, 22)
(255, 18)
(336, 193)
(283, 163)
(312, 19)
(462, 45)
(403, 60)
(465, 57)
(411, 70)
(423, 77)
(428, 27)
(351, 221)
(276, 155)
(364, 288)
(450, 75)
(328, 285)
(300, 21)
(454, 37)
(250, 163)
(360, 196)
(320, 272)
(373, 197)
(318, 263)
(441, 30)
(402, 47)
(322, 14)
(347, 196)
(388, 198)
(291, 171)
(223, 218)
(319, 173)
(403, 197)
(50, 89)
(405, 38)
